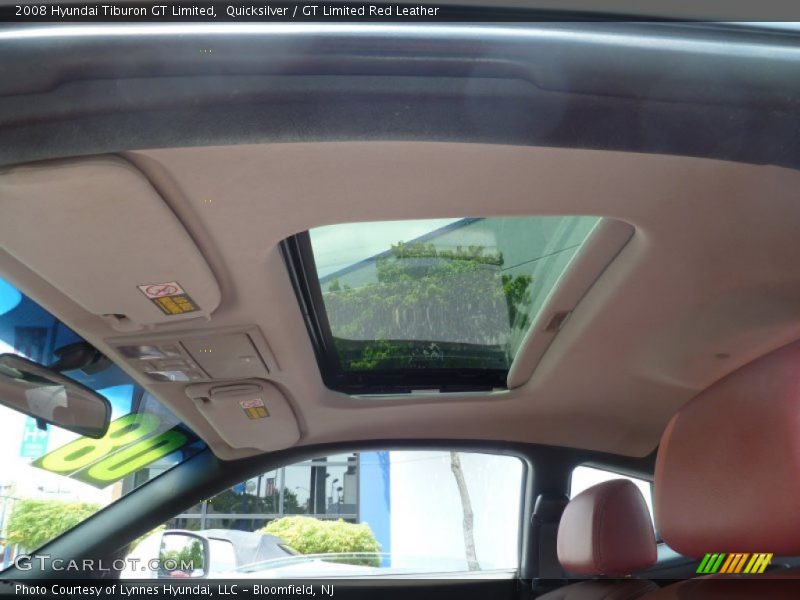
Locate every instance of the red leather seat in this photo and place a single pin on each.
(728, 477)
(606, 531)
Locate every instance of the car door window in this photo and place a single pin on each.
(368, 514)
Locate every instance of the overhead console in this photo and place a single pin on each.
(204, 355)
(227, 371)
(97, 230)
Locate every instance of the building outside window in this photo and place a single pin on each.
(324, 488)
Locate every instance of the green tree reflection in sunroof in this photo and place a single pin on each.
(443, 294)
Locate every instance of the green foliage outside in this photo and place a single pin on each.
(187, 559)
(232, 502)
(33, 523)
(425, 295)
(314, 536)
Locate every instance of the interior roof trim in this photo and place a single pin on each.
(523, 84)
(604, 243)
(558, 32)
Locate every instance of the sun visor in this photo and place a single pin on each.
(97, 230)
(247, 414)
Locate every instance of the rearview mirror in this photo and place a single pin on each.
(50, 397)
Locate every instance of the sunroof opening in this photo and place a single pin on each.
(396, 306)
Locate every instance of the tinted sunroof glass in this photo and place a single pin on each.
(439, 294)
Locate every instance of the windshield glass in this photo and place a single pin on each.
(53, 479)
(439, 294)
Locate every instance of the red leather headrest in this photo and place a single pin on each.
(606, 530)
(728, 467)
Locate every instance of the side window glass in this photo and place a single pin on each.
(584, 477)
(363, 514)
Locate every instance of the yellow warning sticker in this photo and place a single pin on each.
(170, 298)
(254, 408)
(175, 305)
(256, 413)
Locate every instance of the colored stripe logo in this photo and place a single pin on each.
(737, 562)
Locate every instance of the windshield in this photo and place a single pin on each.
(53, 479)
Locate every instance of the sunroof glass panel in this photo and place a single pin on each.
(439, 294)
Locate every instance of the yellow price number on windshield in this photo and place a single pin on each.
(131, 443)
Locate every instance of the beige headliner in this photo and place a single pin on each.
(707, 283)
